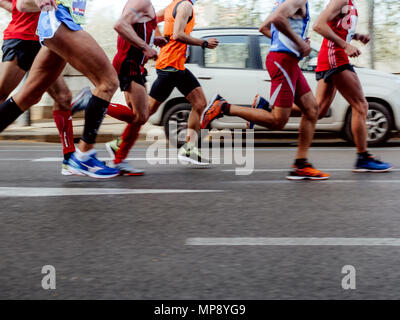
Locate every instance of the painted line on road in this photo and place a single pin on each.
(293, 242)
(11, 192)
(287, 169)
(331, 181)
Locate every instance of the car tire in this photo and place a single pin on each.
(380, 124)
(175, 122)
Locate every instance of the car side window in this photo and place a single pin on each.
(232, 52)
(309, 64)
(265, 45)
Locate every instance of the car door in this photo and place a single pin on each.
(231, 71)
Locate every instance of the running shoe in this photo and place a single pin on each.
(64, 169)
(371, 164)
(126, 169)
(259, 103)
(112, 147)
(190, 154)
(212, 111)
(92, 167)
(81, 100)
(307, 173)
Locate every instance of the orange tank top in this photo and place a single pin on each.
(174, 54)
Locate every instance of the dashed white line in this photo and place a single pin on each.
(293, 242)
(10, 192)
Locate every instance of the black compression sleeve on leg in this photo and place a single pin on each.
(9, 112)
(94, 115)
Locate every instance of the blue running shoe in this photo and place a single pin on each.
(92, 167)
(370, 164)
(259, 103)
(81, 100)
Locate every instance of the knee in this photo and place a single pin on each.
(143, 117)
(199, 105)
(63, 100)
(362, 108)
(312, 113)
(109, 85)
(279, 124)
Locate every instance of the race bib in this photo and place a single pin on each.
(79, 8)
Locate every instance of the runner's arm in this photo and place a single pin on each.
(183, 14)
(131, 14)
(6, 5)
(160, 18)
(265, 29)
(321, 24)
(280, 19)
(35, 5)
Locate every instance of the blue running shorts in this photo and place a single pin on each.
(50, 21)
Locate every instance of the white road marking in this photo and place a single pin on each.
(331, 181)
(10, 192)
(287, 170)
(293, 242)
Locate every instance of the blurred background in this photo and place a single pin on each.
(378, 18)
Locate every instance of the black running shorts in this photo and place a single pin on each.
(329, 73)
(131, 72)
(167, 81)
(24, 50)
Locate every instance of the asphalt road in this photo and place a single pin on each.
(143, 237)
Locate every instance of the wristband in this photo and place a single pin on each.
(205, 44)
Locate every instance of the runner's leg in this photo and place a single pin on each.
(198, 101)
(62, 96)
(309, 107)
(325, 95)
(10, 77)
(84, 54)
(349, 86)
(136, 97)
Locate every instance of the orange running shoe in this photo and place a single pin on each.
(307, 173)
(212, 111)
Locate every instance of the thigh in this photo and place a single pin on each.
(80, 50)
(307, 103)
(163, 86)
(187, 82)
(326, 92)
(197, 97)
(10, 76)
(349, 86)
(45, 70)
(137, 99)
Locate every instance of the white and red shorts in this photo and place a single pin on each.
(287, 80)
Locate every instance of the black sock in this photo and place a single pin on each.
(68, 155)
(226, 109)
(300, 163)
(364, 155)
(94, 115)
(9, 112)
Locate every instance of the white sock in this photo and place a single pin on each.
(84, 156)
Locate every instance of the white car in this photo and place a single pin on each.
(236, 70)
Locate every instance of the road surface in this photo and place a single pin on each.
(185, 233)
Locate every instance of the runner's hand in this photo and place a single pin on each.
(46, 5)
(212, 43)
(150, 53)
(160, 41)
(364, 38)
(352, 51)
(305, 48)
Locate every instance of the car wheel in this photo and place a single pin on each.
(175, 123)
(379, 124)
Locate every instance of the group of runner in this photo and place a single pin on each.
(44, 35)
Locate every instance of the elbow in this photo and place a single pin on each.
(263, 29)
(317, 28)
(118, 27)
(21, 6)
(177, 36)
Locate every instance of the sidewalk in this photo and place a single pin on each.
(46, 131)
